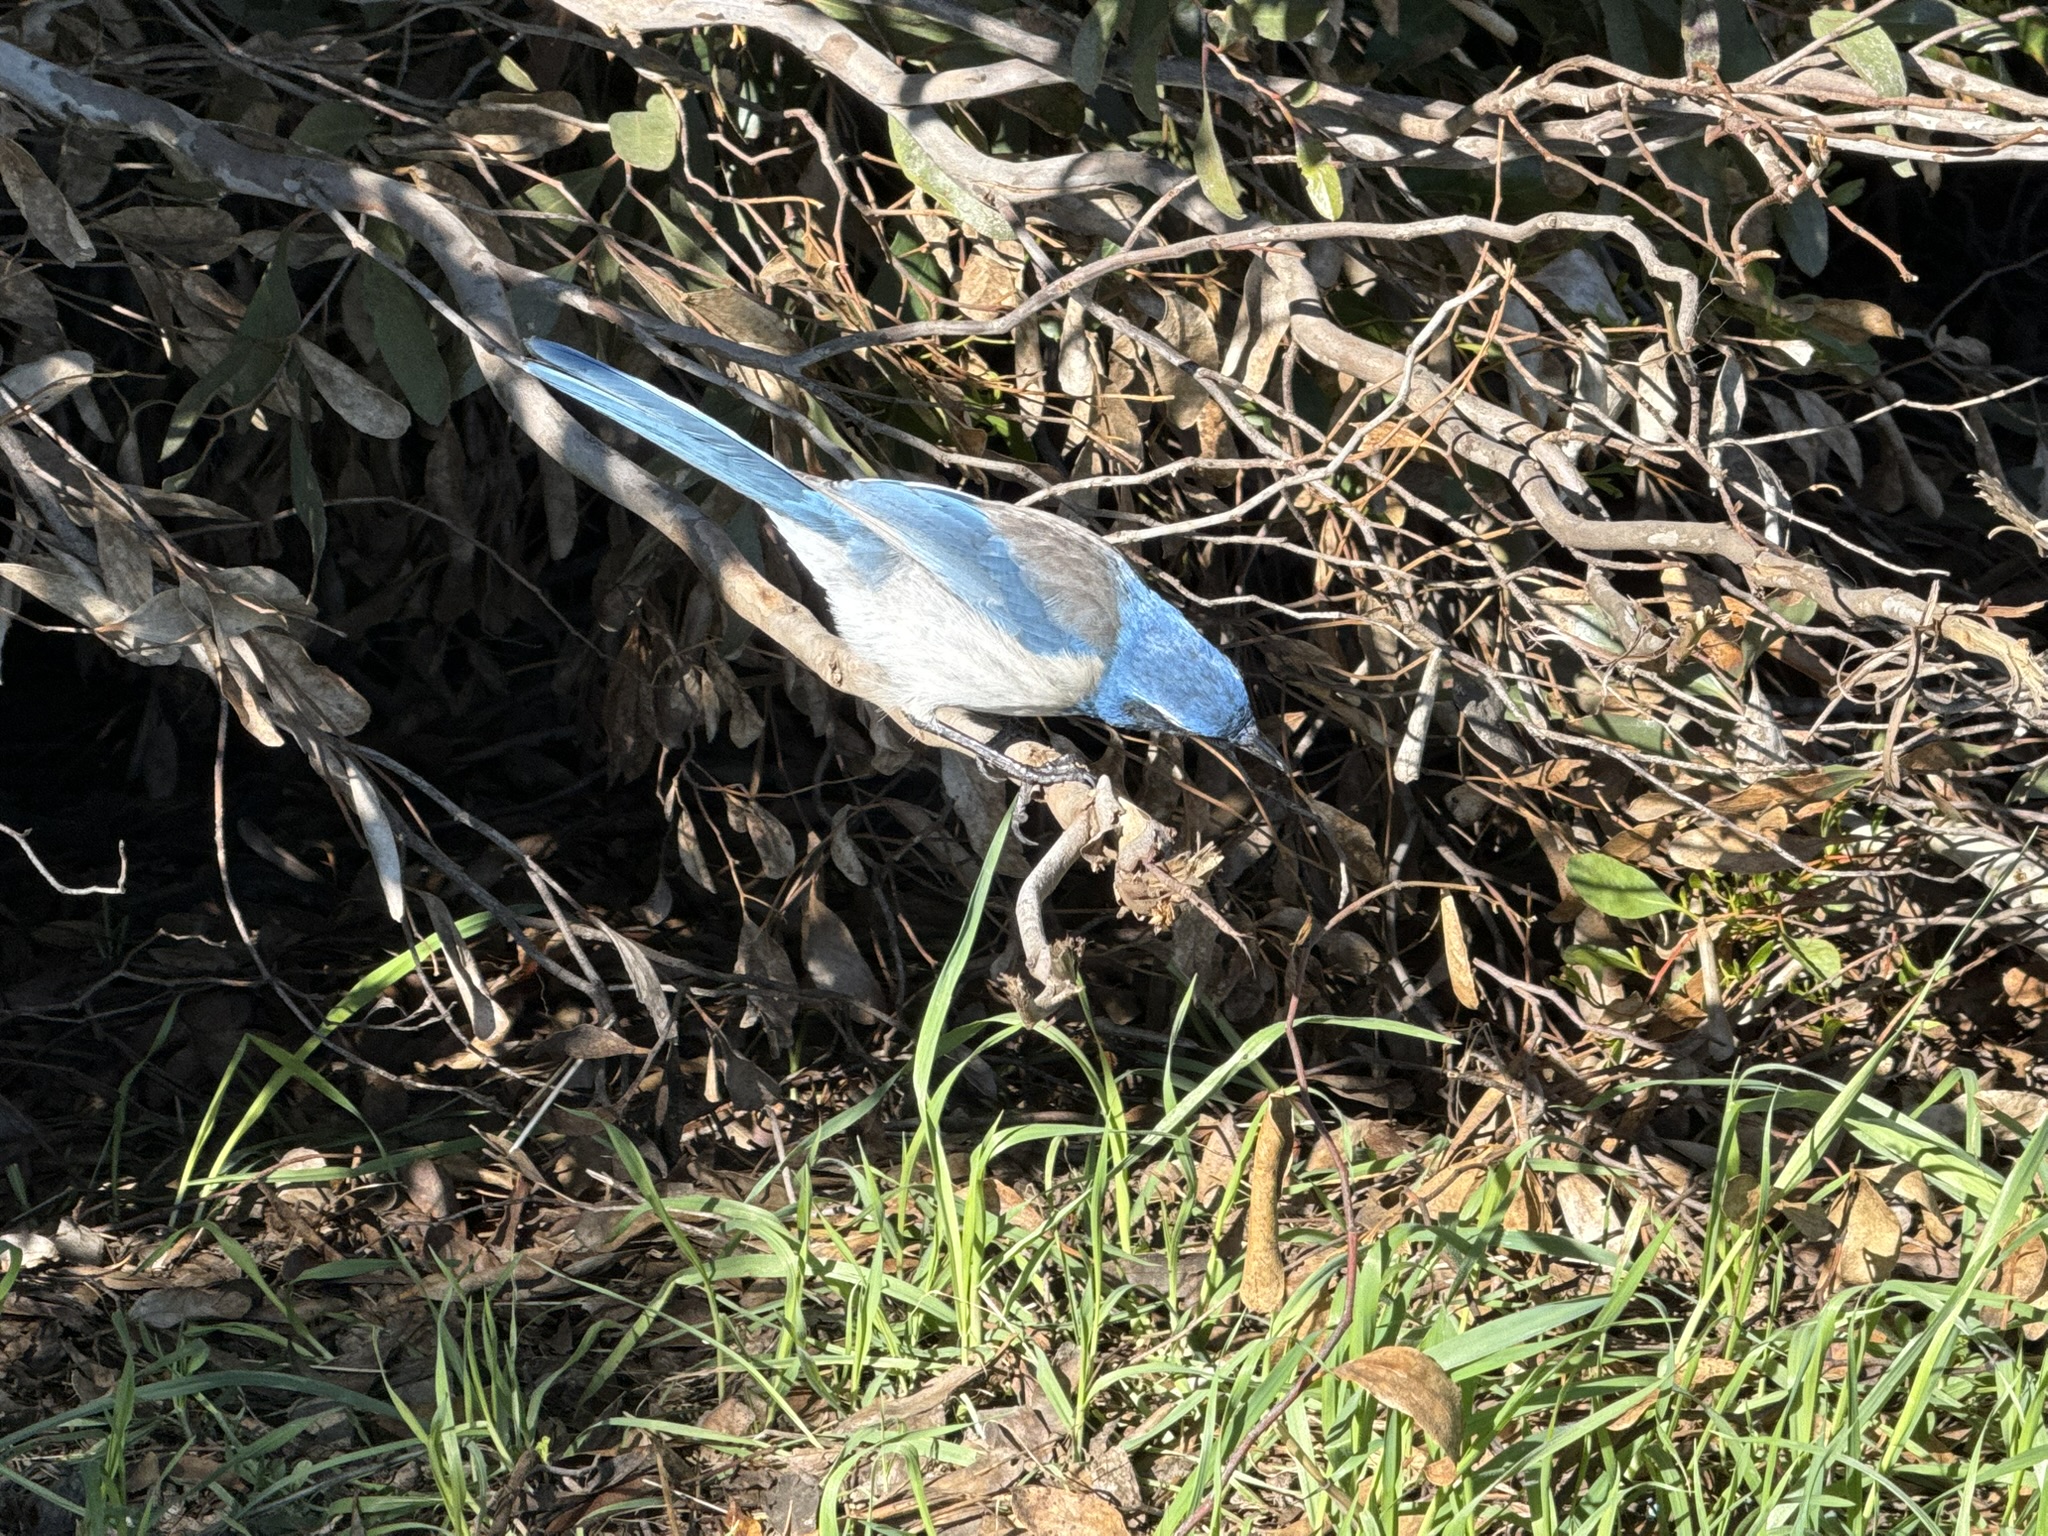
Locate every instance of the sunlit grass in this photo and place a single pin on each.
(1684, 1373)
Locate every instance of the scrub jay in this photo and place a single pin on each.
(956, 602)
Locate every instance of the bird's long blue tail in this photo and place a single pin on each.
(679, 428)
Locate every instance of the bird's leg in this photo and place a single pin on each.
(1065, 772)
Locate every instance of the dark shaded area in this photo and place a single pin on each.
(1978, 246)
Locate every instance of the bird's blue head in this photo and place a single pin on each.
(1164, 676)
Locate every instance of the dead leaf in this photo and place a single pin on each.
(761, 956)
(2023, 1276)
(1409, 1381)
(1583, 1205)
(1264, 1286)
(832, 960)
(1869, 1244)
(771, 839)
(2012, 1112)
(355, 399)
(175, 1305)
(520, 125)
(1725, 849)
(1457, 959)
(1854, 320)
(32, 1250)
(1065, 1512)
(188, 236)
(45, 210)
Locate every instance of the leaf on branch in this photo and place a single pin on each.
(1864, 47)
(520, 125)
(355, 399)
(1319, 176)
(648, 138)
(941, 188)
(1212, 169)
(191, 237)
(44, 209)
(39, 385)
(1607, 885)
(405, 342)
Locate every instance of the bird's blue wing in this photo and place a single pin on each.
(1048, 595)
(1021, 585)
(679, 428)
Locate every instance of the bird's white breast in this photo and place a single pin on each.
(930, 649)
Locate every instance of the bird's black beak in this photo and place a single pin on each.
(1249, 740)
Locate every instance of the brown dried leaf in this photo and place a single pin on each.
(1582, 1204)
(1457, 958)
(2012, 1112)
(1725, 849)
(183, 235)
(1869, 1243)
(771, 839)
(519, 125)
(832, 960)
(2022, 1275)
(762, 957)
(1065, 1512)
(175, 1305)
(1409, 1381)
(1264, 1286)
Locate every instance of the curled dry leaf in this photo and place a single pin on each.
(1264, 1287)
(1409, 1381)
(771, 839)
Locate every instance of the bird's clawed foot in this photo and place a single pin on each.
(1062, 770)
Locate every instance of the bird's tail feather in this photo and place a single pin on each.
(681, 429)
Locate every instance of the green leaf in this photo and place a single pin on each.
(1319, 175)
(1607, 885)
(1091, 45)
(648, 138)
(1803, 226)
(307, 501)
(1864, 47)
(1285, 21)
(1149, 21)
(334, 127)
(942, 188)
(406, 342)
(1211, 168)
(510, 72)
(252, 359)
(1821, 959)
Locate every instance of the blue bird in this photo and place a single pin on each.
(955, 602)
